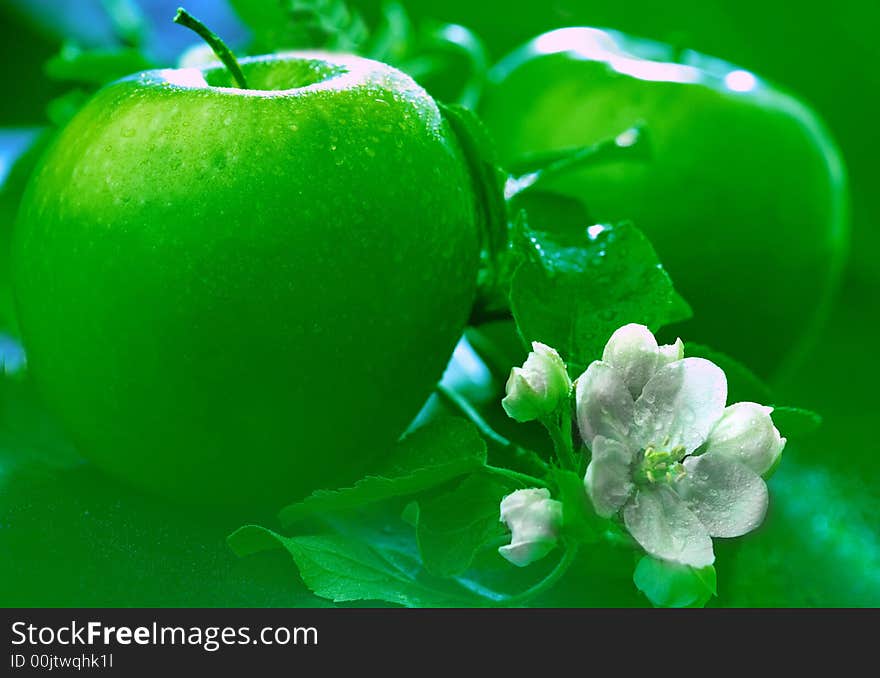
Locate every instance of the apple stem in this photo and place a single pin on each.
(214, 41)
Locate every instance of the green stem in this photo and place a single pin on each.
(619, 539)
(464, 407)
(523, 478)
(537, 170)
(492, 356)
(566, 425)
(526, 457)
(546, 583)
(561, 442)
(219, 47)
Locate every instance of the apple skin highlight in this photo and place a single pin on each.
(233, 296)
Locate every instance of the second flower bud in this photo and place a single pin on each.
(539, 387)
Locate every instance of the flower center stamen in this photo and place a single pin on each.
(660, 465)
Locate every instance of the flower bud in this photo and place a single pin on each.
(534, 520)
(538, 387)
(746, 433)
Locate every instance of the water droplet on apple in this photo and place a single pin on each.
(128, 132)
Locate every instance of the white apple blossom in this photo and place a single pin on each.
(537, 388)
(534, 520)
(667, 455)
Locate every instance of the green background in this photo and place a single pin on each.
(90, 543)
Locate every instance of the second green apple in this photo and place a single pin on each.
(743, 193)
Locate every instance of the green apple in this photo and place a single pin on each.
(744, 194)
(241, 295)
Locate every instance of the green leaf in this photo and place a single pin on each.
(795, 422)
(579, 520)
(488, 179)
(575, 287)
(549, 212)
(410, 514)
(343, 568)
(434, 454)
(296, 24)
(454, 525)
(742, 383)
(672, 585)
(61, 109)
(379, 538)
(128, 20)
(392, 38)
(95, 66)
(460, 59)
(258, 15)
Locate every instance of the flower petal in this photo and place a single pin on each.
(604, 405)
(534, 520)
(538, 387)
(745, 433)
(609, 477)
(659, 520)
(633, 351)
(521, 403)
(729, 498)
(669, 353)
(519, 503)
(680, 404)
(523, 553)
